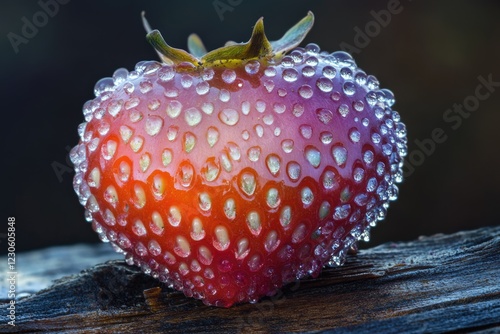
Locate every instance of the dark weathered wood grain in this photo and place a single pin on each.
(443, 283)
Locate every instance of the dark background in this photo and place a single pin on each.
(430, 55)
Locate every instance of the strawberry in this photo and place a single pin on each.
(230, 173)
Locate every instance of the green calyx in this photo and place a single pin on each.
(258, 47)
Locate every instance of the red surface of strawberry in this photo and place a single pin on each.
(227, 174)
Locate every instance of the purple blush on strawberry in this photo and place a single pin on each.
(227, 174)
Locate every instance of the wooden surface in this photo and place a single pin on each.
(443, 283)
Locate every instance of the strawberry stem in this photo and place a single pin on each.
(258, 47)
(195, 46)
(293, 36)
(167, 53)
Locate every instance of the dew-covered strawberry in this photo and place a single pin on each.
(230, 173)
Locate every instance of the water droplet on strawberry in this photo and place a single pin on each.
(254, 153)
(229, 116)
(358, 174)
(123, 241)
(202, 88)
(273, 163)
(290, 74)
(144, 162)
(109, 218)
(305, 91)
(166, 73)
(371, 185)
(376, 138)
(312, 61)
(329, 72)
(154, 248)
(271, 242)
(324, 115)
(104, 85)
(174, 108)
(189, 141)
(282, 92)
(324, 84)
(212, 136)
(255, 262)
(114, 107)
(153, 104)
(342, 212)
(268, 119)
(109, 149)
(346, 73)
(93, 144)
(270, 72)
(186, 81)
(245, 135)
(153, 125)
(182, 247)
(358, 105)
(313, 156)
(312, 48)
(298, 110)
(287, 145)
(172, 132)
(139, 196)
(307, 196)
(252, 67)
(221, 241)
(186, 174)
(279, 108)
(228, 76)
(324, 210)
(254, 223)
(299, 233)
(145, 86)
(269, 85)
(339, 154)
(272, 198)
(230, 208)
(192, 116)
(224, 95)
(297, 57)
(287, 61)
(136, 143)
(286, 216)
(326, 137)
(245, 107)
(260, 106)
(138, 228)
(197, 231)
(306, 131)
(94, 178)
(205, 256)
(157, 225)
(308, 71)
(210, 170)
(248, 183)
(293, 170)
(259, 130)
(354, 135)
(343, 110)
